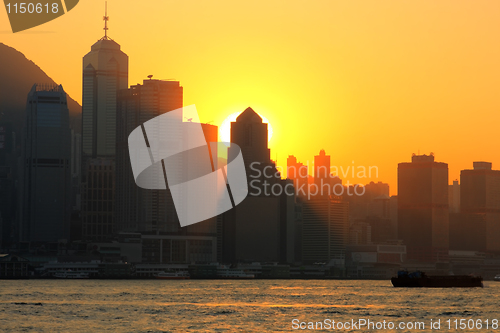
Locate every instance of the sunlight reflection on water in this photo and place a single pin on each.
(205, 306)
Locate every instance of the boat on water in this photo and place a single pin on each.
(419, 279)
(232, 273)
(181, 275)
(71, 275)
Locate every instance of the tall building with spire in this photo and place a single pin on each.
(105, 72)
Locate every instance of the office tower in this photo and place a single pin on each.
(250, 134)
(454, 197)
(105, 72)
(325, 229)
(297, 172)
(262, 227)
(423, 209)
(259, 229)
(211, 133)
(46, 182)
(322, 178)
(140, 209)
(480, 207)
(8, 195)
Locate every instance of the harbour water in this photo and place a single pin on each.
(230, 305)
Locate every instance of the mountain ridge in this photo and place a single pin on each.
(17, 76)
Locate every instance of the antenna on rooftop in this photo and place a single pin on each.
(106, 19)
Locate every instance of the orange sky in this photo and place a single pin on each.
(368, 81)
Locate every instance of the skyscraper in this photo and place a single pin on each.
(46, 183)
(423, 221)
(250, 134)
(140, 209)
(325, 229)
(322, 173)
(105, 72)
(480, 207)
(298, 173)
(8, 195)
(262, 226)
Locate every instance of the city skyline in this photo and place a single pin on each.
(378, 100)
(250, 166)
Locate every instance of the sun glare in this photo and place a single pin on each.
(225, 127)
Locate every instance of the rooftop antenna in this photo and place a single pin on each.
(150, 76)
(106, 19)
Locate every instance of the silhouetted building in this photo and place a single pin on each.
(46, 184)
(360, 233)
(298, 173)
(480, 207)
(137, 209)
(393, 214)
(211, 133)
(325, 230)
(322, 173)
(262, 227)
(252, 231)
(76, 170)
(8, 194)
(250, 134)
(379, 207)
(454, 197)
(98, 199)
(423, 209)
(376, 190)
(381, 229)
(105, 72)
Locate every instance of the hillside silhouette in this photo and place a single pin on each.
(17, 76)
